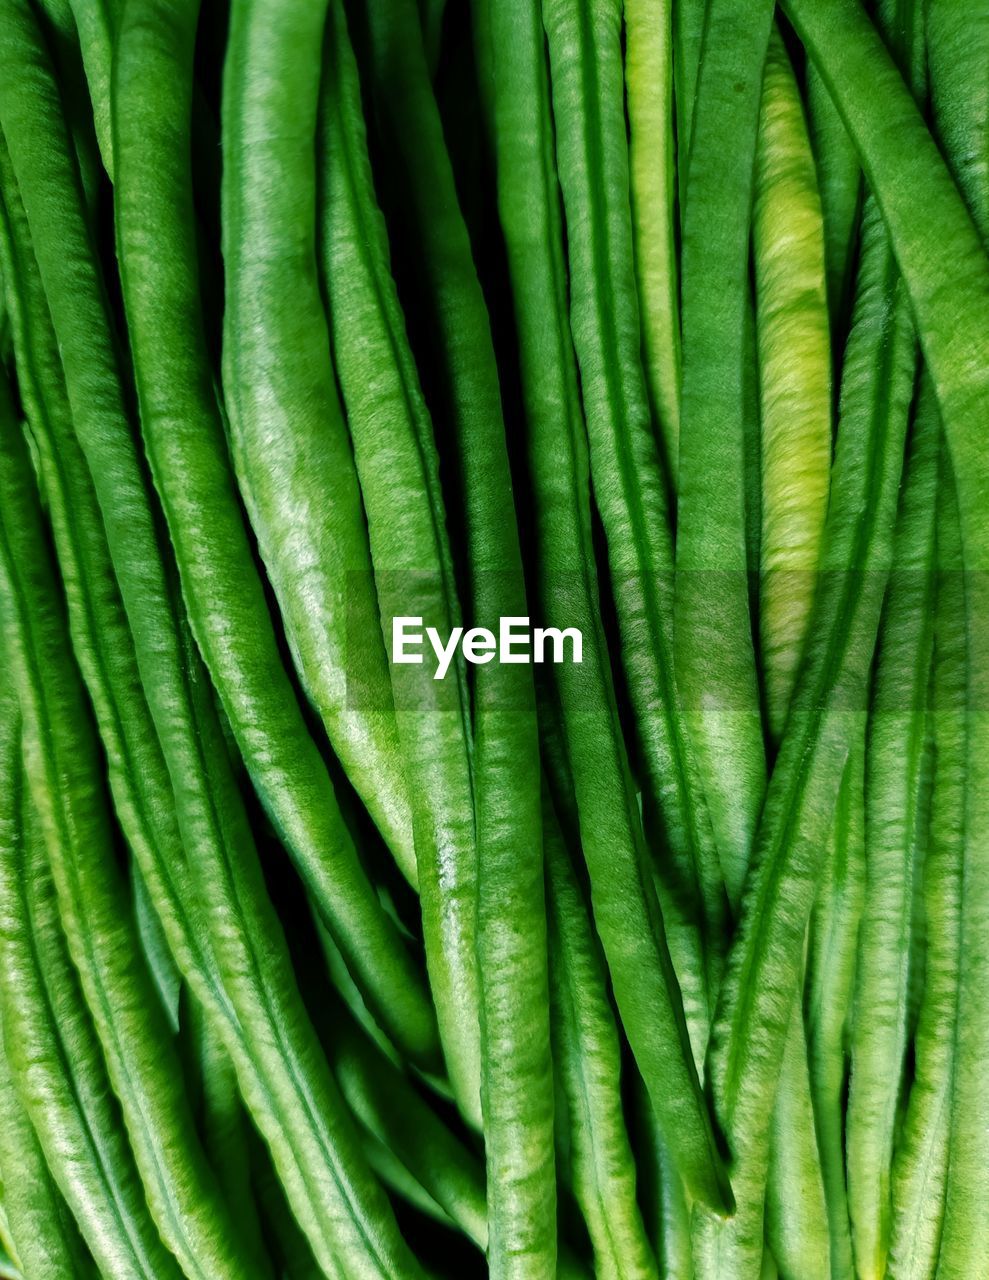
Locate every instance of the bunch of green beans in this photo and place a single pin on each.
(344, 931)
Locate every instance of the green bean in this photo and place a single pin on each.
(765, 962)
(947, 276)
(40, 1225)
(796, 1208)
(288, 436)
(397, 466)
(839, 179)
(958, 45)
(667, 1215)
(511, 55)
(649, 98)
(586, 79)
(222, 590)
(921, 1162)
(588, 1055)
(895, 824)
(689, 17)
(829, 986)
(96, 22)
(289, 1088)
(714, 650)
(62, 757)
(47, 1240)
(795, 377)
(57, 1064)
(516, 1068)
(105, 648)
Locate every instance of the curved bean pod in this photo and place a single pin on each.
(398, 470)
(288, 437)
(184, 436)
(58, 1066)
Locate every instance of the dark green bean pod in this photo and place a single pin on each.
(516, 1068)
(63, 761)
(652, 174)
(767, 955)
(58, 1066)
(398, 469)
(688, 35)
(714, 646)
(896, 788)
(511, 54)
(921, 1163)
(223, 592)
(839, 179)
(829, 986)
(958, 48)
(629, 488)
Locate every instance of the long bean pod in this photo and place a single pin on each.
(896, 821)
(830, 982)
(795, 378)
(292, 1093)
(767, 954)
(947, 276)
(62, 758)
(512, 55)
(587, 1050)
(58, 1066)
(511, 916)
(921, 1162)
(397, 465)
(714, 642)
(629, 489)
(649, 97)
(184, 436)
